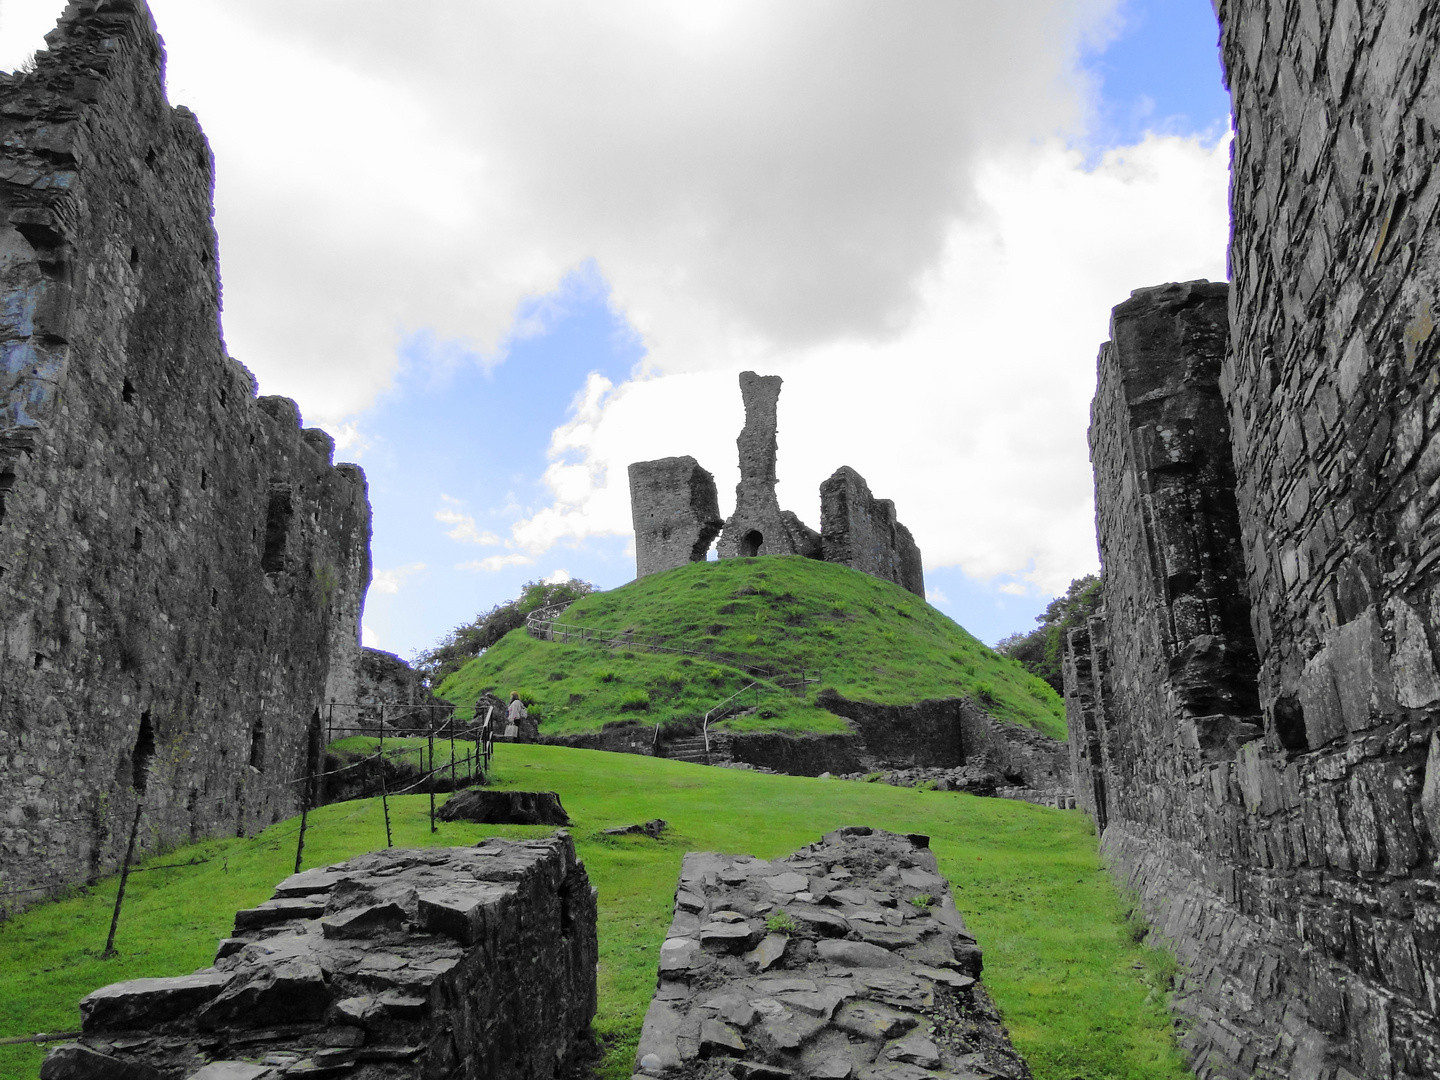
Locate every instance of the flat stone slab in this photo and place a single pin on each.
(850, 979)
(143, 1002)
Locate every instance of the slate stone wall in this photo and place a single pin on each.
(457, 962)
(861, 531)
(1291, 856)
(181, 565)
(676, 513)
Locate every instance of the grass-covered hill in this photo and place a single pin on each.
(870, 640)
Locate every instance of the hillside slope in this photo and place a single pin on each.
(870, 640)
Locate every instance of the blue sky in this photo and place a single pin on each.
(471, 442)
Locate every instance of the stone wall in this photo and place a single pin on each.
(676, 513)
(459, 962)
(1291, 856)
(181, 565)
(860, 531)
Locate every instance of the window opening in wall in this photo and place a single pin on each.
(7, 485)
(257, 746)
(204, 480)
(1290, 723)
(139, 542)
(214, 597)
(39, 660)
(750, 543)
(127, 391)
(134, 257)
(143, 755)
(224, 395)
(277, 529)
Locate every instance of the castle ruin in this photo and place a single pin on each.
(675, 514)
(182, 566)
(1255, 717)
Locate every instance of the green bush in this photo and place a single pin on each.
(635, 701)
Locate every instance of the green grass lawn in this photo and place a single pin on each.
(870, 639)
(1081, 998)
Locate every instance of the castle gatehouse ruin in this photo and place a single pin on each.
(675, 513)
(182, 566)
(1255, 719)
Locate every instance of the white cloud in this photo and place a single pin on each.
(869, 199)
(368, 637)
(743, 173)
(559, 577)
(465, 529)
(392, 580)
(973, 421)
(935, 596)
(496, 562)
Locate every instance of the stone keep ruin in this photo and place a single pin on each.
(1255, 719)
(676, 512)
(182, 567)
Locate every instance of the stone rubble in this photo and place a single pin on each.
(439, 962)
(846, 959)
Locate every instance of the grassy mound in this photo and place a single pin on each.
(1080, 997)
(869, 639)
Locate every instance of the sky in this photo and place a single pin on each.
(502, 250)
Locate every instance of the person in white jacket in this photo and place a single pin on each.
(515, 715)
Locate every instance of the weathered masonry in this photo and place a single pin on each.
(459, 962)
(182, 567)
(1255, 721)
(674, 510)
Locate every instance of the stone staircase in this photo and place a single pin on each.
(691, 748)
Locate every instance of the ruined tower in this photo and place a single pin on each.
(676, 512)
(758, 526)
(182, 566)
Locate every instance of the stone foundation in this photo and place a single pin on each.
(847, 959)
(456, 962)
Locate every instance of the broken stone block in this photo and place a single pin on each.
(504, 808)
(770, 949)
(400, 968)
(140, 1003)
(869, 1020)
(718, 1038)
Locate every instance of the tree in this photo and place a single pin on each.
(466, 642)
(1042, 651)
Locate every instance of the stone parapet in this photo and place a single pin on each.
(457, 962)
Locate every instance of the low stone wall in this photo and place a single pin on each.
(457, 962)
(847, 959)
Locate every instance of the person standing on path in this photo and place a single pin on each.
(515, 715)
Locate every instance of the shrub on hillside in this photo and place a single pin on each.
(464, 643)
(1042, 651)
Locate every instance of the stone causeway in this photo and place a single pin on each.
(846, 959)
